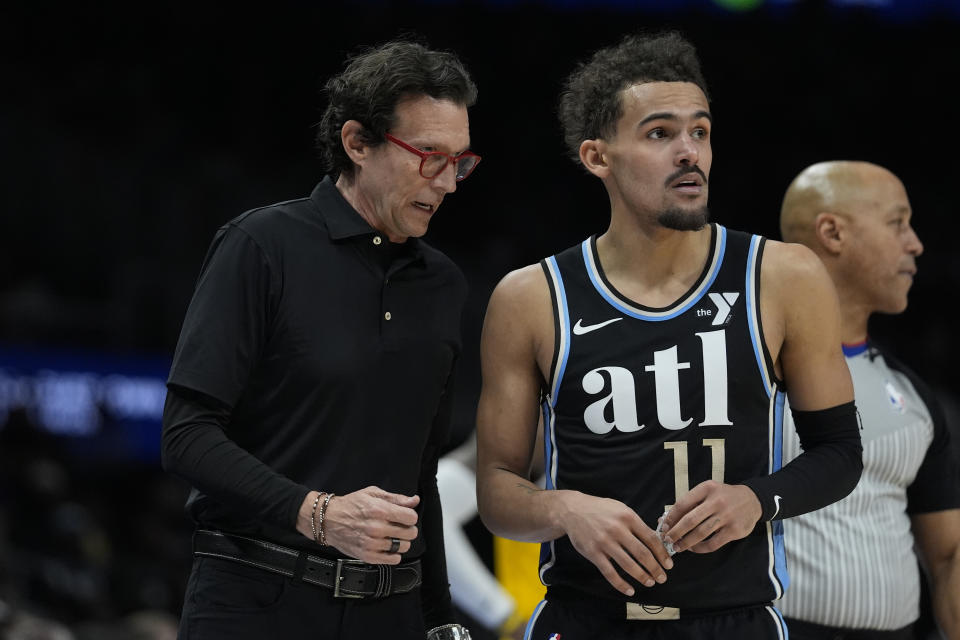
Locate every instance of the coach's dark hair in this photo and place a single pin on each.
(591, 100)
(374, 81)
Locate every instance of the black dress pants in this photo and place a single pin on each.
(229, 600)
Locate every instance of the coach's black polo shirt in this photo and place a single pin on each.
(328, 351)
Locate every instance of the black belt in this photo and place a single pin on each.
(347, 577)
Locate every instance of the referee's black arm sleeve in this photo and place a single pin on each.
(827, 470)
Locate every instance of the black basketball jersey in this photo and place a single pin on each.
(644, 404)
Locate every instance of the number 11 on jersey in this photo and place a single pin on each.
(681, 464)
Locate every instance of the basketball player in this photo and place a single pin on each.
(661, 350)
(852, 563)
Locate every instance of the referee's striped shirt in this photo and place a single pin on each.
(852, 563)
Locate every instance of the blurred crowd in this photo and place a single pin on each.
(87, 551)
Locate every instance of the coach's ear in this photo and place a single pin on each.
(830, 231)
(593, 158)
(354, 143)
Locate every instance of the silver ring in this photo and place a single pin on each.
(394, 545)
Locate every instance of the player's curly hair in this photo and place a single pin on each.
(591, 100)
(371, 84)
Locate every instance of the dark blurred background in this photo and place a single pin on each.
(129, 135)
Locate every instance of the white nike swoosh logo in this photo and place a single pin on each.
(776, 501)
(579, 329)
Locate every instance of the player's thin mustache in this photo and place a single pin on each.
(684, 171)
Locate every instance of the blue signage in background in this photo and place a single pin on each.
(892, 10)
(102, 407)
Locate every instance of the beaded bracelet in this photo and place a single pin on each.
(323, 512)
(313, 516)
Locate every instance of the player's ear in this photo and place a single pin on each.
(593, 156)
(830, 231)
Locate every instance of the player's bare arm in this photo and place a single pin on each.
(516, 349)
(508, 407)
(800, 313)
(801, 301)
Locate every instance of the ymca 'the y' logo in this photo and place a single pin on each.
(724, 303)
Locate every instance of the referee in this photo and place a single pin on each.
(852, 564)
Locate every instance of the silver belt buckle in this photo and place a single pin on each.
(337, 578)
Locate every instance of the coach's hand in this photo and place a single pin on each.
(606, 531)
(362, 524)
(710, 515)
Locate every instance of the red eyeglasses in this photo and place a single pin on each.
(432, 163)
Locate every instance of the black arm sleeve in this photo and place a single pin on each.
(196, 448)
(827, 470)
(435, 591)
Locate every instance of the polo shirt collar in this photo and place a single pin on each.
(342, 220)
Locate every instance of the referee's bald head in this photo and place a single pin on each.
(838, 187)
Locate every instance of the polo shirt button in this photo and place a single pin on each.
(377, 240)
(387, 316)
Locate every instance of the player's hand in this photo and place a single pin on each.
(608, 532)
(710, 515)
(361, 524)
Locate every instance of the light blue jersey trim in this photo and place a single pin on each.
(548, 550)
(780, 574)
(780, 557)
(779, 403)
(547, 411)
(645, 314)
(778, 568)
(563, 315)
(533, 619)
(753, 313)
(784, 633)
